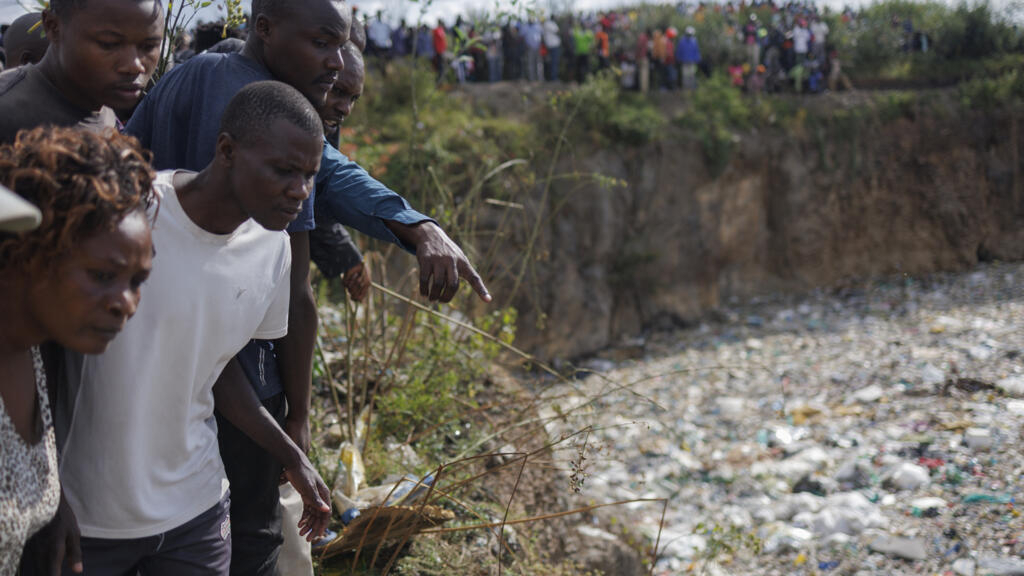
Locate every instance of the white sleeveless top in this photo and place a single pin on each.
(29, 484)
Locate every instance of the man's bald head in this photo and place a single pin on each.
(358, 34)
(24, 41)
(353, 58)
(277, 9)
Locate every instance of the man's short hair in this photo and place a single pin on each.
(259, 104)
(271, 8)
(65, 8)
(276, 8)
(26, 35)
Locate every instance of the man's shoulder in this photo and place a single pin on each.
(11, 79)
(28, 100)
(207, 67)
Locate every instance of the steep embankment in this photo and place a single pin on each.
(912, 193)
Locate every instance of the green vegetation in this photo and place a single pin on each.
(602, 113)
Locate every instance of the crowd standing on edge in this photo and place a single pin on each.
(783, 47)
(170, 444)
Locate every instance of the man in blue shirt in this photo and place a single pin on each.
(298, 42)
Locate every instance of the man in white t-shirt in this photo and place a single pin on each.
(141, 467)
(553, 42)
(819, 34)
(801, 41)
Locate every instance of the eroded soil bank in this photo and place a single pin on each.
(850, 192)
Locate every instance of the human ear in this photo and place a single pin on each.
(225, 151)
(263, 27)
(51, 25)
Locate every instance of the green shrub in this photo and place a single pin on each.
(717, 111)
(990, 93)
(600, 109)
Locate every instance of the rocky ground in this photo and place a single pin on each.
(874, 429)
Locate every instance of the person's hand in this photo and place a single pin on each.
(57, 541)
(442, 263)
(357, 281)
(297, 428)
(316, 508)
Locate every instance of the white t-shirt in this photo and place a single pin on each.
(141, 456)
(801, 37)
(379, 33)
(551, 38)
(820, 31)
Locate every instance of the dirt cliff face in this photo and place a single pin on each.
(908, 196)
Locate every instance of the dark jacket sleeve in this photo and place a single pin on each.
(332, 249)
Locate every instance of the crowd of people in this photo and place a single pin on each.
(155, 249)
(775, 47)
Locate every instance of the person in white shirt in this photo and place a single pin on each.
(553, 42)
(379, 34)
(141, 466)
(801, 41)
(819, 31)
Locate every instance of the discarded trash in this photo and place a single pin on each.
(978, 439)
(328, 536)
(902, 445)
(908, 476)
(978, 497)
(964, 567)
(381, 524)
(351, 472)
(928, 507)
(349, 515)
(995, 566)
(908, 548)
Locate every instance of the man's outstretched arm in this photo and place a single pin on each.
(354, 198)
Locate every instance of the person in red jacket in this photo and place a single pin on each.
(603, 48)
(440, 47)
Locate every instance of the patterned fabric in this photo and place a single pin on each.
(29, 485)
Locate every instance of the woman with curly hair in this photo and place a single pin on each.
(73, 280)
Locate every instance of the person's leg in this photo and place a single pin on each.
(493, 73)
(255, 513)
(200, 547)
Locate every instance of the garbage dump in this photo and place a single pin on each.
(875, 429)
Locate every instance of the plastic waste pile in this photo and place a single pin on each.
(875, 430)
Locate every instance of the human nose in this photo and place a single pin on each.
(335, 61)
(124, 302)
(131, 63)
(344, 107)
(301, 189)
